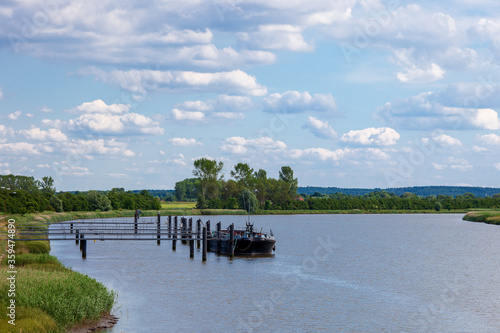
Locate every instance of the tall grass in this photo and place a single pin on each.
(68, 297)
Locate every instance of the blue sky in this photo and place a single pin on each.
(107, 93)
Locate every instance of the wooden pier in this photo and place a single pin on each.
(123, 229)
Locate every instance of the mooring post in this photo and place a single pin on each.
(71, 228)
(83, 246)
(191, 240)
(208, 233)
(218, 237)
(77, 236)
(135, 222)
(198, 233)
(174, 238)
(184, 230)
(231, 240)
(158, 230)
(204, 249)
(169, 226)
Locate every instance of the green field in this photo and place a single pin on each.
(178, 205)
(486, 216)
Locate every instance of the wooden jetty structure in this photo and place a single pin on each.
(137, 229)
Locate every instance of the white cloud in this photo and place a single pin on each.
(98, 106)
(183, 142)
(383, 136)
(142, 81)
(37, 134)
(129, 123)
(447, 141)
(188, 115)
(239, 145)
(223, 107)
(419, 76)
(86, 148)
(71, 170)
(5, 132)
(321, 154)
(276, 37)
(1, 94)
(295, 102)
(46, 109)
(320, 128)
(490, 139)
(453, 163)
(497, 166)
(15, 115)
(458, 106)
(54, 123)
(43, 166)
(19, 148)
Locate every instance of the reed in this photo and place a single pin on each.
(68, 297)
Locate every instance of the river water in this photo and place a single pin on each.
(330, 273)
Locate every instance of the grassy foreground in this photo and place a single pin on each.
(48, 296)
(487, 216)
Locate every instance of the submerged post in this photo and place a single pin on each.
(191, 240)
(208, 232)
(218, 237)
(169, 226)
(231, 240)
(184, 230)
(204, 250)
(77, 236)
(158, 230)
(198, 233)
(83, 246)
(174, 239)
(135, 221)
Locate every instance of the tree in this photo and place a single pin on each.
(286, 176)
(46, 185)
(208, 171)
(261, 185)
(243, 175)
(248, 201)
(56, 203)
(98, 201)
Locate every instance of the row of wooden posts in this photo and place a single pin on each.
(185, 231)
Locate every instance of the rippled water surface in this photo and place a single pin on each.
(331, 273)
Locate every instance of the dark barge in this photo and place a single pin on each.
(243, 241)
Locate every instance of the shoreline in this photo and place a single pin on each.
(106, 321)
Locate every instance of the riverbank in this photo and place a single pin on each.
(44, 295)
(488, 217)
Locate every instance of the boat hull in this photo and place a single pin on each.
(244, 246)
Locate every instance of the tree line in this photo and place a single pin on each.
(22, 194)
(248, 189)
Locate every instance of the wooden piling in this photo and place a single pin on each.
(77, 236)
(198, 233)
(219, 227)
(208, 232)
(204, 249)
(184, 230)
(83, 246)
(169, 226)
(231, 240)
(158, 229)
(71, 228)
(174, 237)
(191, 240)
(135, 221)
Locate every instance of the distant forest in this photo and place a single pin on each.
(423, 191)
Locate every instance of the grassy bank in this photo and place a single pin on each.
(487, 216)
(48, 296)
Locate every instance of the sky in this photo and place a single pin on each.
(375, 94)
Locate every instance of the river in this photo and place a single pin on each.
(331, 273)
